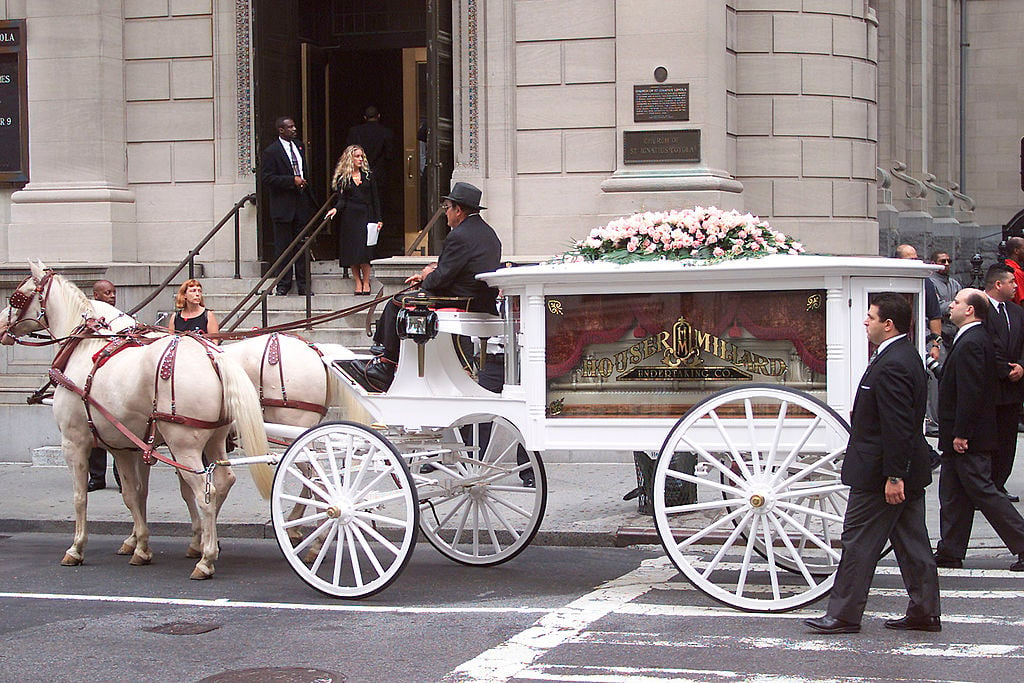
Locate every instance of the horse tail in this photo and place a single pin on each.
(341, 396)
(243, 407)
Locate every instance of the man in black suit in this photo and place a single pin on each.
(376, 139)
(1005, 326)
(887, 468)
(283, 172)
(472, 247)
(968, 438)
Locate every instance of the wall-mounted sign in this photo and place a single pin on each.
(13, 103)
(654, 146)
(662, 102)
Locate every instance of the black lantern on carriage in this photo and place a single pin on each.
(418, 323)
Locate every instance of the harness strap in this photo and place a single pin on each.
(61, 380)
(189, 421)
(297, 405)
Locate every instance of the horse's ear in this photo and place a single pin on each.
(37, 268)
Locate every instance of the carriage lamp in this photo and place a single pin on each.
(418, 323)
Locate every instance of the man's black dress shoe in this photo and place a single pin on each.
(827, 624)
(931, 624)
(948, 562)
(1018, 566)
(1013, 498)
(96, 485)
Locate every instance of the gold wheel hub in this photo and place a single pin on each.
(333, 512)
(757, 500)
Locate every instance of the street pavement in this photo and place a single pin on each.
(584, 508)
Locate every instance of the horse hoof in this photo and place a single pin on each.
(199, 575)
(70, 560)
(126, 549)
(140, 560)
(193, 554)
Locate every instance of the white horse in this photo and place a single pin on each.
(187, 403)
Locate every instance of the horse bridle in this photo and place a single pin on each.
(19, 302)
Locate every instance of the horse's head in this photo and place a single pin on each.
(26, 311)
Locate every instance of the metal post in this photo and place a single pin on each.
(263, 307)
(238, 255)
(191, 267)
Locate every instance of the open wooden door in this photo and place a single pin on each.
(440, 108)
(316, 132)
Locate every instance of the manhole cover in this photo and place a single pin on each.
(182, 628)
(276, 675)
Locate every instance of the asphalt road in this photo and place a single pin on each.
(553, 614)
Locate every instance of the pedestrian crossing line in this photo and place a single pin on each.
(658, 610)
(634, 674)
(297, 606)
(809, 643)
(882, 570)
(517, 653)
(877, 592)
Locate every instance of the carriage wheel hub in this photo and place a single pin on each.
(757, 500)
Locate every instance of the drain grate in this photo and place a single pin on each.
(276, 675)
(182, 628)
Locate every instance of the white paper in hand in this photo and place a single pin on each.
(371, 234)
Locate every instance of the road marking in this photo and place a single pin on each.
(876, 592)
(518, 652)
(225, 602)
(655, 610)
(616, 674)
(883, 570)
(811, 643)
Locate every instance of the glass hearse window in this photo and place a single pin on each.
(655, 355)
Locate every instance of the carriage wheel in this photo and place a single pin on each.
(344, 509)
(478, 511)
(768, 494)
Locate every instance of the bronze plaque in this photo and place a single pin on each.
(663, 102)
(13, 103)
(653, 146)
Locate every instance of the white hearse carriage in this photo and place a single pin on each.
(746, 366)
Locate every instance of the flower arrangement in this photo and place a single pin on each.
(709, 234)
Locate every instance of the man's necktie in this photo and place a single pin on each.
(1002, 314)
(295, 162)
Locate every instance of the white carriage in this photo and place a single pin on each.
(747, 366)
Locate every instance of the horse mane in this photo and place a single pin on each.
(72, 300)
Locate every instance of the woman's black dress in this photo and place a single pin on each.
(357, 205)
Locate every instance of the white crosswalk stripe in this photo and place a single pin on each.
(982, 626)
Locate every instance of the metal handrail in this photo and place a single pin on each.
(306, 238)
(424, 232)
(190, 258)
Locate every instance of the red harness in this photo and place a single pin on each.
(272, 357)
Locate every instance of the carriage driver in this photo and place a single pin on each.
(472, 247)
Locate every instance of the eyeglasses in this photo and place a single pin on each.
(447, 205)
(943, 260)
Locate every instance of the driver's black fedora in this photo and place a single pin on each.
(465, 195)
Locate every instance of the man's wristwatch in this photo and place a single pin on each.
(895, 480)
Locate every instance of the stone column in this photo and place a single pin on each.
(77, 160)
(806, 120)
(689, 40)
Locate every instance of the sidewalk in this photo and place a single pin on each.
(585, 506)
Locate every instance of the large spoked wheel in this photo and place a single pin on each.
(480, 509)
(344, 510)
(764, 532)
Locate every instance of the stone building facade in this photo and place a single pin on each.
(143, 126)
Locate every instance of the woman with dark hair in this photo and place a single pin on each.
(358, 206)
(192, 314)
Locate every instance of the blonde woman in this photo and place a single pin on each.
(358, 208)
(192, 314)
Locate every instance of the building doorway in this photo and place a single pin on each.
(324, 62)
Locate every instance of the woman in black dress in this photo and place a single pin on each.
(358, 207)
(192, 314)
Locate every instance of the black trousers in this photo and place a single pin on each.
(965, 482)
(284, 233)
(98, 466)
(868, 524)
(1007, 419)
